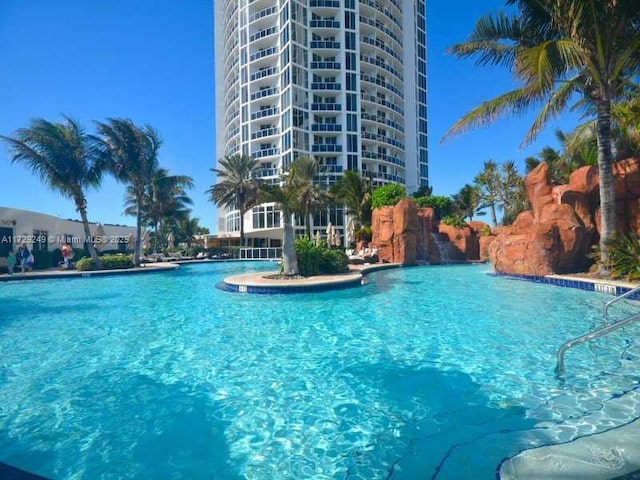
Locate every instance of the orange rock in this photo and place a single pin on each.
(382, 226)
(484, 244)
(585, 180)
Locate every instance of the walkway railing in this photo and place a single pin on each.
(271, 253)
(609, 327)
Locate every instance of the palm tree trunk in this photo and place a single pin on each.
(308, 222)
(494, 217)
(242, 240)
(137, 252)
(289, 257)
(87, 234)
(608, 219)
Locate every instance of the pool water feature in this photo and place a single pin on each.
(426, 372)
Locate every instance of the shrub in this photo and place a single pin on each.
(85, 264)
(485, 231)
(109, 262)
(319, 259)
(308, 254)
(388, 195)
(442, 206)
(454, 221)
(624, 255)
(333, 261)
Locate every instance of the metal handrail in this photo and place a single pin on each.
(560, 370)
(611, 302)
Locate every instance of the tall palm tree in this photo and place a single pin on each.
(64, 157)
(285, 196)
(237, 187)
(561, 50)
(311, 197)
(165, 201)
(354, 191)
(512, 194)
(131, 153)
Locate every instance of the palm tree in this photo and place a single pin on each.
(285, 196)
(165, 201)
(131, 154)
(489, 183)
(560, 50)
(311, 197)
(354, 191)
(512, 194)
(237, 187)
(64, 157)
(188, 227)
(579, 148)
(467, 201)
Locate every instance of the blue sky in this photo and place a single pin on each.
(152, 61)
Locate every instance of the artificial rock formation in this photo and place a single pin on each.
(407, 235)
(557, 234)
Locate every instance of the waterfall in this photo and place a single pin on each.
(443, 249)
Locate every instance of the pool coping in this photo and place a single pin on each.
(58, 274)
(260, 284)
(599, 285)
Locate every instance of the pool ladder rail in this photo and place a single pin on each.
(609, 327)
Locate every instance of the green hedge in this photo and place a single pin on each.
(388, 195)
(442, 206)
(318, 259)
(109, 262)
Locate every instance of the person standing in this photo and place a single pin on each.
(24, 255)
(11, 261)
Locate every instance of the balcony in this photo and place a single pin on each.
(263, 53)
(331, 168)
(326, 148)
(381, 138)
(326, 86)
(325, 45)
(267, 112)
(267, 152)
(265, 93)
(325, 3)
(325, 107)
(326, 127)
(324, 24)
(380, 119)
(265, 73)
(267, 132)
(263, 33)
(263, 13)
(325, 65)
(269, 172)
(383, 156)
(368, 78)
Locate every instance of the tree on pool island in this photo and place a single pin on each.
(285, 196)
(561, 51)
(65, 158)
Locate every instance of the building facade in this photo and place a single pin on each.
(343, 81)
(39, 231)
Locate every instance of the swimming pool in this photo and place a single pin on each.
(426, 372)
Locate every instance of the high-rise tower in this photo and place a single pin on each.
(341, 80)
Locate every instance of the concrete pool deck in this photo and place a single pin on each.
(58, 273)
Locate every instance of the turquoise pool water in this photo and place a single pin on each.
(427, 372)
